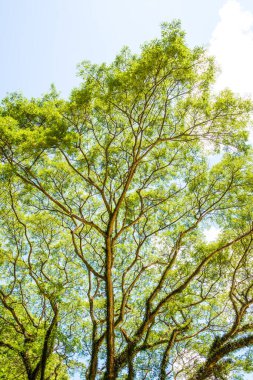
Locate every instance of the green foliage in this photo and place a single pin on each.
(106, 199)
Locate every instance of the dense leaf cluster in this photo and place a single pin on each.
(106, 203)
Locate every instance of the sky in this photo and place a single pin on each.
(42, 41)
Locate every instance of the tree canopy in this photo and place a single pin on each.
(107, 199)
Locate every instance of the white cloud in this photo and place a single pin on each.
(232, 45)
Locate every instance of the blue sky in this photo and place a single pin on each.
(42, 41)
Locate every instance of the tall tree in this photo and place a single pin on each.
(124, 172)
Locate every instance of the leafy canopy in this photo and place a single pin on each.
(106, 199)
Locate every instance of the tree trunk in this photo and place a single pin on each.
(110, 365)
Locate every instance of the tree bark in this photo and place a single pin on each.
(110, 365)
(46, 347)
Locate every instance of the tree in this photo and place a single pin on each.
(29, 295)
(123, 174)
